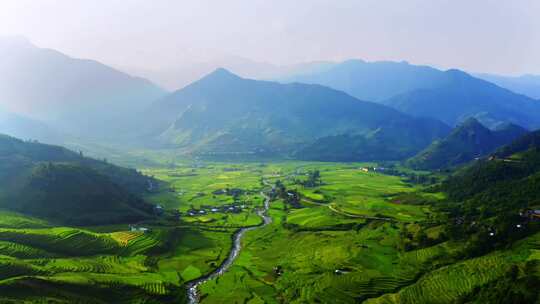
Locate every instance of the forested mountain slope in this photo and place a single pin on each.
(223, 113)
(64, 186)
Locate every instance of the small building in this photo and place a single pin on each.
(134, 228)
(220, 192)
(278, 270)
(158, 210)
(235, 192)
(530, 214)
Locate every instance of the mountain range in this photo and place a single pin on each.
(354, 110)
(468, 141)
(77, 95)
(225, 114)
(528, 85)
(177, 77)
(373, 81)
(451, 96)
(465, 96)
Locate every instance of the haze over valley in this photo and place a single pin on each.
(269, 152)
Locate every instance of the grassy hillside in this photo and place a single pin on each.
(354, 236)
(478, 280)
(468, 141)
(63, 186)
(39, 262)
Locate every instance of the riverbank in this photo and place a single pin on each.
(193, 287)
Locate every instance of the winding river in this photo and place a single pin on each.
(193, 286)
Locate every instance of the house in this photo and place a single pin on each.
(235, 192)
(278, 270)
(134, 228)
(530, 214)
(219, 192)
(158, 209)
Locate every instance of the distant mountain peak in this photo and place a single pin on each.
(471, 127)
(222, 73)
(457, 73)
(354, 61)
(219, 76)
(470, 122)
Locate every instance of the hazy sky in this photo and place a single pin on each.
(500, 36)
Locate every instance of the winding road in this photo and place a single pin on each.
(193, 286)
(335, 210)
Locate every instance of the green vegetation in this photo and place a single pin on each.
(341, 233)
(67, 188)
(225, 117)
(468, 141)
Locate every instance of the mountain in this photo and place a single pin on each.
(451, 96)
(468, 141)
(24, 127)
(489, 207)
(528, 142)
(80, 96)
(528, 85)
(225, 114)
(373, 81)
(63, 186)
(177, 77)
(503, 184)
(463, 96)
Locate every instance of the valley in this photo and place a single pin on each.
(269, 152)
(259, 232)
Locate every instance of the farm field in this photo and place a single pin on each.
(342, 243)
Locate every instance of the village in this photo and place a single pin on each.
(207, 209)
(236, 207)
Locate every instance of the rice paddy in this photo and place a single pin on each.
(341, 246)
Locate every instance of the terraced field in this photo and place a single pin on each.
(333, 249)
(320, 217)
(67, 264)
(193, 185)
(356, 192)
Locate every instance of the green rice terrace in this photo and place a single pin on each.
(338, 233)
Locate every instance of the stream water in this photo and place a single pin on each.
(193, 286)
